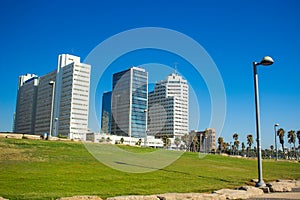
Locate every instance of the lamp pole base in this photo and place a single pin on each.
(260, 184)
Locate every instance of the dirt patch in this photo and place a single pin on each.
(9, 152)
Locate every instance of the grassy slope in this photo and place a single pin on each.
(34, 169)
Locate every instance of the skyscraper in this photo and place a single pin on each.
(26, 104)
(168, 107)
(106, 112)
(129, 102)
(71, 100)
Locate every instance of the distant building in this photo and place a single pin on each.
(106, 113)
(203, 141)
(71, 100)
(26, 104)
(168, 107)
(129, 103)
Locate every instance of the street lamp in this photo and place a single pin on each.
(52, 84)
(146, 120)
(275, 125)
(266, 61)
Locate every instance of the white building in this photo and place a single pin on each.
(168, 107)
(132, 141)
(71, 105)
(71, 100)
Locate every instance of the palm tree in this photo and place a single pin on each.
(243, 148)
(225, 146)
(272, 149)
(249, 142)
(166, 140)
(220, 142)
(177, 142)
(186, 139)
(298, 136)
(292, 139)
(280, 134)
(236, 144)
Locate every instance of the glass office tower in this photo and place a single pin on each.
(106, 113)
(129, 103)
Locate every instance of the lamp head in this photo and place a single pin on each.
(51, 83)
(267, 60)
(276, 124)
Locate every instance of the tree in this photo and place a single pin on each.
(139, 142)
(236, 146)
(236, 143)
(220, 143)
(280, 134)
(177, 142)
(186, 139)
(292, 139)
(249, 142)
(225, 146)
(108, 139)
(166, 140)
(298, 136)
(243, 148)
(272, 149)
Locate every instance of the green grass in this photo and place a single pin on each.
(38, 169)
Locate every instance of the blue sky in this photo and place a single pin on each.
(234, 33)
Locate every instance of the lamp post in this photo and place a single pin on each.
(146, 120)
(52, 84)
(267, 60)
(275, 125)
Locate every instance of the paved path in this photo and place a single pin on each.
(294, 194)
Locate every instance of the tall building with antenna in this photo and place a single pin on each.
(168, 107)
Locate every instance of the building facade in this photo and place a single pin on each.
(106, 113)
(203, 141)
(129, 103)
(168, 107)
(26, 104)
(69, 95)
(43, 103)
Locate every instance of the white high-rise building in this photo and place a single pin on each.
(71, 105)
(168, 107)
(70, 100)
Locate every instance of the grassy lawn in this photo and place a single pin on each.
(38, 169)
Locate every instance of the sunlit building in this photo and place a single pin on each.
(69, 94)
(129, 103)
(168, 107)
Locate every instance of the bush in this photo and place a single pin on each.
(62, 136)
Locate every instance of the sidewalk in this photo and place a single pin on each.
(294, 194)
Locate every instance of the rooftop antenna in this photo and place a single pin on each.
(175, 67)
(72, 50)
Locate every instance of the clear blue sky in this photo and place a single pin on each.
(234, 33)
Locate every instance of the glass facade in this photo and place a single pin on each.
(106, 112)
(129, 103)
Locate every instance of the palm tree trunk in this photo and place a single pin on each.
(295, 153)
(283, 150)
